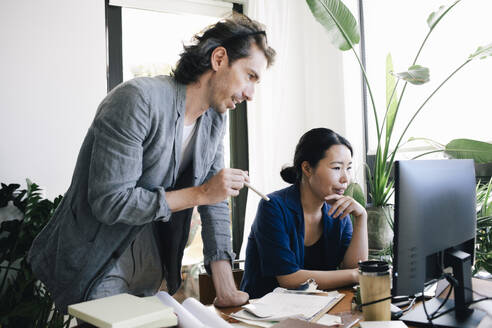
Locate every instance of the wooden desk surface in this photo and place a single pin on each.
(344, 307)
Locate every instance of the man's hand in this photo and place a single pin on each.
(225, 288)
(226, 183)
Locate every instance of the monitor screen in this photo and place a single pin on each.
(435, 225)
(435, 209)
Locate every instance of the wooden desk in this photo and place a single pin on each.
(344, 307)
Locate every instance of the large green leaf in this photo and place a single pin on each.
(416, 74)
(484, 200)
(337, 19)
(391, 96)
(436, 16)
(482, 52)
(479, 151)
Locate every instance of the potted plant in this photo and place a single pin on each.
(28, 303)
(344, 33)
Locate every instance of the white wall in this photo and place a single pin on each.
(53, 75)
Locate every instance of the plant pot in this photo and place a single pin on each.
(380, 226)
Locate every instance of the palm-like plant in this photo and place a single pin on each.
(343, 30)
(483, 259)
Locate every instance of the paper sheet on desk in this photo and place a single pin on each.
(244, 315)
(382, 324)
(329, 320)
(305, 292)
(277, 306)
(254, 323)
(485, 306)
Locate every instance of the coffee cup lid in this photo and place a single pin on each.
(373, 266)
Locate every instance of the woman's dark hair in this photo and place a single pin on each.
(311, 148)
(235, 34)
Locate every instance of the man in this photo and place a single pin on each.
(153, 152)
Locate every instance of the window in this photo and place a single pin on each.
(461, 108)
(152, 41)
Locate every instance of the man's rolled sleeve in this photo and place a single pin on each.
(216, 224)
(216, 233)
(163, 212)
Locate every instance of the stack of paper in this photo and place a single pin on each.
(294, 323)
(124, 311)
(280, 305)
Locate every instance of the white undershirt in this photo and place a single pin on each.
(187, 146)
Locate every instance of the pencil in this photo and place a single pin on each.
(262, 195)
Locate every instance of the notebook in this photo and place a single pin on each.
(124, 311)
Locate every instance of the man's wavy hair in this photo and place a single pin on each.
(235, 34)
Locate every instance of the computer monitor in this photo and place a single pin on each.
(434, 229)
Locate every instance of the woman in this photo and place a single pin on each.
(305, 231)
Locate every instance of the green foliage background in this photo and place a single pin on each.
(24, 300)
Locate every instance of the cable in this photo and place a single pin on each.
(479, 300)
(376, 301)
(429, 319)
(479, 294)
(432, 315)
(409, 307)
(466, 304)
(445, 299)
(454, 283)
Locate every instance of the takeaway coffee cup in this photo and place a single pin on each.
(375, 285)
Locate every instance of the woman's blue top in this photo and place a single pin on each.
(276, 242)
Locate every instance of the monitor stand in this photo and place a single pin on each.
(417, 317)
(462, 316)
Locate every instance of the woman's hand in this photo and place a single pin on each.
(342, 205)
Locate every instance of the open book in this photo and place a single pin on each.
(124, 311)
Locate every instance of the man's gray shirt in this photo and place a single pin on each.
(128, 160)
